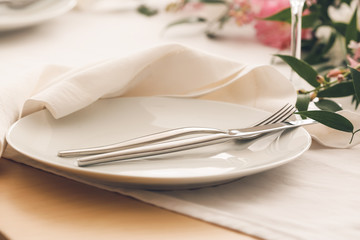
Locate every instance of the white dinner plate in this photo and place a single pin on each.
(40, 137)
(36, 13)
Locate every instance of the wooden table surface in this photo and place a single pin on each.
(38, 205)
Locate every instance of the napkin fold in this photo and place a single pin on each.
(165, 70)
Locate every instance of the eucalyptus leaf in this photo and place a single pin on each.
(325, 69)
(187, 20)
(330, 43)
(308, 21)
(214, 1)
(319, 49)
(355, 101)
(307, 44)
(211, 35)
(356, 81)
(340, 27)
(282, 16)
(147, 11)
(302, 68)
(346, 1)
(339, 90)
(330, 119)
(316, 55)
(328, 105)
(302, 102)
(223, 20)
(351, 30)
(322, 7)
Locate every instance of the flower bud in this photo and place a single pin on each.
(301, 91)
(334, 73)
(340, 78)
(320, 79)
(313, 96)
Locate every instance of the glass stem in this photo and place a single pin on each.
(296, 16)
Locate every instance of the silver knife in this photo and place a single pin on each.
(189, 143)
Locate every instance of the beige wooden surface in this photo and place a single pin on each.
(39, 205)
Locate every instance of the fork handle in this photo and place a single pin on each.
(155, 149)
(140, 141)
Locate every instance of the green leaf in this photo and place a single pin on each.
(147, 11)
(346, 1)
(308, 21)
(302, 102)
(356, 82)
(319, 49)
(330, 119)
(340, 28)
(214, 1)
(316, 55)
(307, 44)
(330, 43)
(189, 20)
(351, 30)
(328, 105)
(302, 68)
(355, 101)
(223, 19)
(339, 90)
(322, 8)
(325, 69)
(211, 35)
(282, 16)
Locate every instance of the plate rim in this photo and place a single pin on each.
(8, 24)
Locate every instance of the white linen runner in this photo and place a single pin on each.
(313, 198)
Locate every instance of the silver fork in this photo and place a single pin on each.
(279, 116)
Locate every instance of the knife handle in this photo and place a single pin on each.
(137, 142)
(155, 149)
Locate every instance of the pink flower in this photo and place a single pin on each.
(267, 8)
(272, 33)
(353, 63)
(241, 11)
(340, 78)
(311, 2)
(334, 73)
(355, 46)
(337, 73)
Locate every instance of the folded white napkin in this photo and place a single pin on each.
(333, 138)
(312, 198)
(171, 70)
